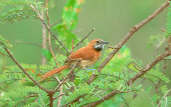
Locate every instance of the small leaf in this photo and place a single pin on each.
(169, 57)
(47, 54)
(5, 42)
(164, 89)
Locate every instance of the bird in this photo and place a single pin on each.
(86, 55)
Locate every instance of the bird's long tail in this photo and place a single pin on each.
(52, 72)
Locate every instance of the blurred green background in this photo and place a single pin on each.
(112, 19)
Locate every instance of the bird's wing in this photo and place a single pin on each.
(84, 53)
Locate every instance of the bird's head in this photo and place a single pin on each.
(98, 44)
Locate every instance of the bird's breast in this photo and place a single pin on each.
(86, 63)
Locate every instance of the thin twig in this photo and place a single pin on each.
(85, 37)
(49, 35)
(57, 22)
(30, 43)
(25, 99)
(25, 72)
(149, 66)
(60, 93)
(60, 97)
(48, 28)
(127, 37)
(75, 100)
(44, 36)
(64, 80)
(2, 54)
(125, 101)
(164, 97)
(132, 80)
(106, 97)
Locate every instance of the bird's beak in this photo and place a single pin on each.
(105, 42)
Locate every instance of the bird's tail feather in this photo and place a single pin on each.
(52, 72)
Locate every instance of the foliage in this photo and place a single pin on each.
(4, 42)
(16, 90)
(16, 10)
(69, 21)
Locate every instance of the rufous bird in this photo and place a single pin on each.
(87, 55)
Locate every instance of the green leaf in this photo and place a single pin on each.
(169, 57)
(70, 13)
(47, 54)
(69, 22)
(164, 89)
(16, 10)
(66, 35)
(155, 74)
(5, 42)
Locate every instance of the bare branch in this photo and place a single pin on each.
(164, 97)
(44, 37)
(60, 97)
(49, 35)
(48, 28)
(60, 93)
(132, 80)
(68, 75)
(85, 37)
(75, 100)
(25, 72)
(106, 97)
(128, 36)
(30, 43)
(149, 66)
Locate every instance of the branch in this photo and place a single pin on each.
(51, 99)
(85, 37)
(106, 97)
(44, 36)
(132, 80)
(25, 72)
(128, 36)
(149, 66)
(68, 75)
(48, 28)
(75, 100)
(164, 97)
(60, 97)
(49, 36)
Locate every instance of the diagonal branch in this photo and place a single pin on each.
(164, 97)
(49, 35)
(128, 36)
(106, 97)
(25, 72)
(132, 80)
(68, 75)
(48, 28)
(149, 66)
(85, 37)
(75, 100)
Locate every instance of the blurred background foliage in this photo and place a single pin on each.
(112, 19)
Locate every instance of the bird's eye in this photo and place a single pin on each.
(97, 41)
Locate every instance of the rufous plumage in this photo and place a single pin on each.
(87, 55)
